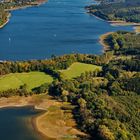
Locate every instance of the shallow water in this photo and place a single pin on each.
(16, 124)
(57, 27)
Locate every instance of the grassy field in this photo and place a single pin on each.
(76, 69)
(31, 79)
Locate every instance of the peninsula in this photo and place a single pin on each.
(118, 13)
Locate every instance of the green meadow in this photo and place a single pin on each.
(31, 79)
(35, 79)
(76, 69)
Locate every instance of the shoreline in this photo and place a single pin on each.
(35, 123)
(6, 22)
(117, 22)
(23, 102)
(26, 6)
(123, 23)
(12, 102)
(101, 41)
(41, 123)
(137, 29)
(136, 26)
(18, 8)
(52, 124)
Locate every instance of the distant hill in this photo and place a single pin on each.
(114, 10)
(111, 1)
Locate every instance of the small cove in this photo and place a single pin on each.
(16, 123)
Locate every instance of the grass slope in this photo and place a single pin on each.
(31, 79)
(76, 69)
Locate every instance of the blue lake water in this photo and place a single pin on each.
(57, 27)
(16, 124)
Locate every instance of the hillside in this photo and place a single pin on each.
(128, 10)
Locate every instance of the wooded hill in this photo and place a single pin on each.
(129, 11)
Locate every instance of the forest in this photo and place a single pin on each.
(107, 101)
(128, 10)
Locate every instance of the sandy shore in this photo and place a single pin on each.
(114, 22)
(15, 102)
(5, 23)
(119, 22)
(1, 26)
(137, 29)
(101, 41)
(123, 23)
(54, 123)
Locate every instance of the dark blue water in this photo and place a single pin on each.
(15, 124)
(57, 27)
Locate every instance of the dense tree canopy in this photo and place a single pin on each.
(107, 101)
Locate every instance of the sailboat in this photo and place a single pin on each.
(9, 39)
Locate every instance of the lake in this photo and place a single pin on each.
(55, 28)
(16, 124)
